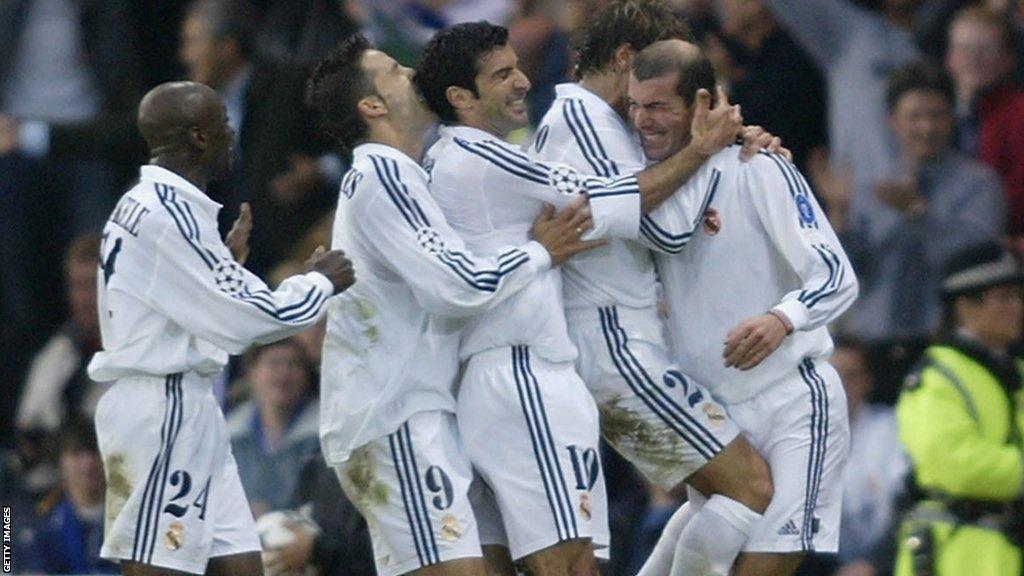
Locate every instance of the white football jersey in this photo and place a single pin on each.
(581, 130)
(775, 250)
(171, 296)
(491, 192)
(392, 341)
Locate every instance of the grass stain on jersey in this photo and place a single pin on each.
(363, 476)
(119, 489)
(367, 312)
(632, 435)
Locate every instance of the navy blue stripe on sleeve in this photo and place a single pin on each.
(184, 219)
(836, 273)
(508, 162)
(584, 144)
(486, 279)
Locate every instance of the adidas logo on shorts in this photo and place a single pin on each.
(789, 529)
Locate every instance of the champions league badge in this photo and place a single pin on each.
(430, 240)
(228, 275)
(565, 180)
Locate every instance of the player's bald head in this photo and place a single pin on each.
(168, 111)
(674, 56)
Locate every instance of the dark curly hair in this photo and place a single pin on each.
(919, 76)
(334, 90)
(451, 59)
(634, 22)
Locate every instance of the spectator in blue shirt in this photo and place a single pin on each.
(67, 537)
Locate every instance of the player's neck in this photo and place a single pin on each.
(610, 87)
(474, 121)
(408, 142)
(197, 175)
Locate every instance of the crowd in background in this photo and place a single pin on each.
(907, 116)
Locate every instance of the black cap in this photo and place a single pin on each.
(977, 268)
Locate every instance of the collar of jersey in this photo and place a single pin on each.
(367, 148)
(180, 185)
(467, 133)
(593, 101)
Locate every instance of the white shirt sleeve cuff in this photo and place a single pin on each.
(796, 312)
(616, 210)
(539, 257)
(321, 282)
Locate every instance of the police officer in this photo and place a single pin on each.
(960, 419)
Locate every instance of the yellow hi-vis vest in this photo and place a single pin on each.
(956, 423)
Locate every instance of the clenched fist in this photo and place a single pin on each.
(335, 266)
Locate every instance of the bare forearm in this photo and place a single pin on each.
(661, 180)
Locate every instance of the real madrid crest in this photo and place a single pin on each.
(175, 536)
(585, 505)
(714, 413)
(450, 529)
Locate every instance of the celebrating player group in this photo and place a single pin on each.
(505, 317)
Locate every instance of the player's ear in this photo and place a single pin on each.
(196, 138)
(622, 59)
(459, 97)
(372, 107)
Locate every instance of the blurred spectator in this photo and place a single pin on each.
(274, 432)
(936, 202)
(342, 545)
(60, 61)
(637, 513)
(1013, 12)
(277, 168)
(543, 48)
(931, 26)
(960, 418)
(70, 530)
(402, 27)
(304, 31)
(66, 61)
(312, 343)
(771, 76)
(57, 388)
(13, 493)
(660, 506)
(989, 105)
(856, 49)
(312, 340)
(875, 470)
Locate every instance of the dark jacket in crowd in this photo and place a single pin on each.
(343, 547)
(107, 36)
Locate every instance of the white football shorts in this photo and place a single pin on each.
(413, 488)
(662, 421)
(530, 428)
(174, 499)
(801, 428)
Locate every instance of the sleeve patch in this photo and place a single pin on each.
(430, 240)
(228, 276)
(803, 205)
(565, 180)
